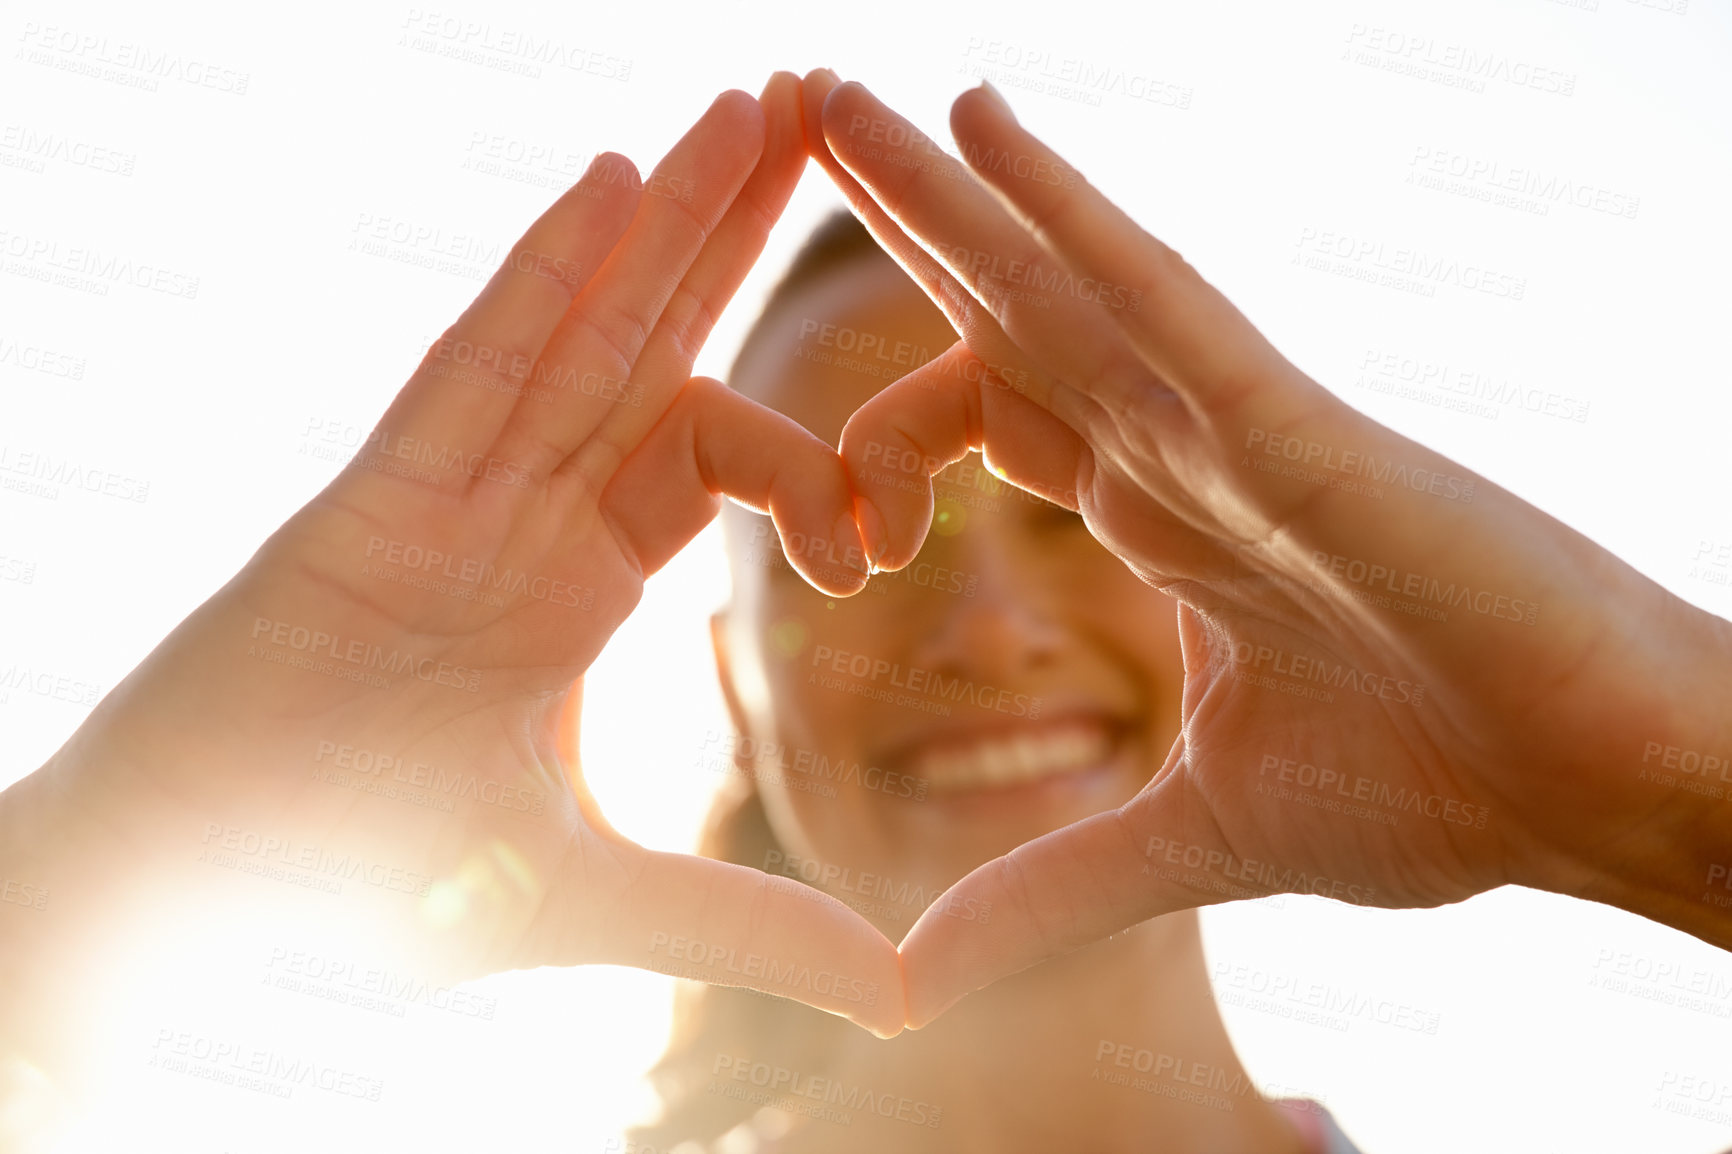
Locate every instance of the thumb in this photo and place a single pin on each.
(1158, 853)
(730, 925)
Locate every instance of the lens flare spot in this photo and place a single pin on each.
(948, 518)
(788, 637)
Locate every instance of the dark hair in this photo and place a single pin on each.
(837, 241)
(714, 1020)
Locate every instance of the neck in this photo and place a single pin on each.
(1118, 1047)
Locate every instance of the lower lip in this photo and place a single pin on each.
(1098, 785)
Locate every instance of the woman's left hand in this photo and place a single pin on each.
(1496, 676)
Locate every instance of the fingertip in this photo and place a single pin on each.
(734, 98)
(880, 1032)
(977, 108)
(845, 91)
(738, 105)
(873, 534)
(813, 90)
(854, 570)
(781, 93)
(986, 95)
(609, 164)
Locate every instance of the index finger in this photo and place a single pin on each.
(1182, 326)
(972, 320)
(1056, 317)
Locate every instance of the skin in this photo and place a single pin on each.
(219, 742)
(1138, 404)
(1139, 418)
(1053, 615)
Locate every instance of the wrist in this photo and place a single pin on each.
(1674, 865)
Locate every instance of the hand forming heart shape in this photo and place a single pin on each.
(1494, 673)
(436, 606)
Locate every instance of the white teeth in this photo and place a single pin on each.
(996, 762)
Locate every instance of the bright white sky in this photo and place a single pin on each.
(1294, 126)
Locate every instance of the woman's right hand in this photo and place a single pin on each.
(423, 623)
(1403, 684)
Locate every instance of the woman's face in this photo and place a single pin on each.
(1013, 679)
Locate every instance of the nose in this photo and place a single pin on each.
(1008, 627)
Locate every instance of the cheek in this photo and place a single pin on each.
(1139, 625)
(811, 777)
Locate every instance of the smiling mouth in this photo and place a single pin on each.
(1006, 760)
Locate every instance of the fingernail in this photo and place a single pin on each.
(987, 87)
(872, 530)
(831, 73)
(847, 535)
